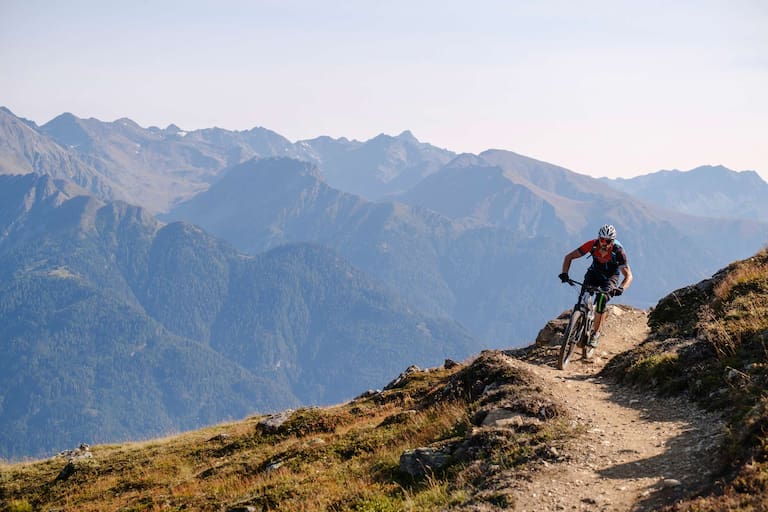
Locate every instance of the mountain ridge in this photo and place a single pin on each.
(123, 155)
(708, 191)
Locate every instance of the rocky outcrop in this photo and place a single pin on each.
(75, 459)
(508, 399)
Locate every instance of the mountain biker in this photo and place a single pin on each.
(609, 261)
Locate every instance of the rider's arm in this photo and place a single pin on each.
(627, 272)
(576, 253)
(624, 268)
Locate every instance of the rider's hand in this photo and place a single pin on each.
(564, 277)
(617, 291)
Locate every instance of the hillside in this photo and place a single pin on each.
(115, 326)
(501, 431)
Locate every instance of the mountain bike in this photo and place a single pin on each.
(579, 324)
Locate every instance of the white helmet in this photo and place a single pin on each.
(608, 232)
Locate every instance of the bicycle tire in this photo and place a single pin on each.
(570, 338)
(586, 350)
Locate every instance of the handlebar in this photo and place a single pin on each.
(590, 288)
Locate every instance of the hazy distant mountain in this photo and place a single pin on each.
(474, 192)
(114, 326)
(24, 149)
(437, 265)
(706, 191)
(377, 167)
(574, 196)
(497, 190)
(534, 198)
(158, 167)
(261, 204)
(482, 272)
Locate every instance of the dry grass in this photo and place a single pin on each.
(742, 296)
(336, 458)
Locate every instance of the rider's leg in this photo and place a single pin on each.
(601, 301)
(600, 314)
(599, 320)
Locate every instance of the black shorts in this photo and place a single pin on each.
(593, 278)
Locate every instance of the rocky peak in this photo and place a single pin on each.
(67, 130)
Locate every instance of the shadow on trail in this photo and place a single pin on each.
(690, 461)
(548, 356)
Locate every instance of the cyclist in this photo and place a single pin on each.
(609, 262)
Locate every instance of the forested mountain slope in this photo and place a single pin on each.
(115, 326)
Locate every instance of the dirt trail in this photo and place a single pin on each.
(640, 451)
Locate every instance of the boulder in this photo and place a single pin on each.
(423, 461)
(551, 334)
(273, 422)
(505, 418)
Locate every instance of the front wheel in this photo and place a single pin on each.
(586, 349)
(570, 338)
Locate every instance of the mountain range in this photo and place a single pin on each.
(116, 326)
(156, 279)
(157, 168)
(474, 241)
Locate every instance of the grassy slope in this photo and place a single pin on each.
(338, 458)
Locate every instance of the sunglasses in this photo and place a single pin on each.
(605, 241)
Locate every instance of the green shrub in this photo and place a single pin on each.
(19, 506)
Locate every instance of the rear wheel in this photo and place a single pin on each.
(571, 337)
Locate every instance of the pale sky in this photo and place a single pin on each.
(607, 88)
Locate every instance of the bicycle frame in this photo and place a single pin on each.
(579, 324)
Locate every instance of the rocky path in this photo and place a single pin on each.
(639, 451)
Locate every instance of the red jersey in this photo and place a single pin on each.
(606, 261)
